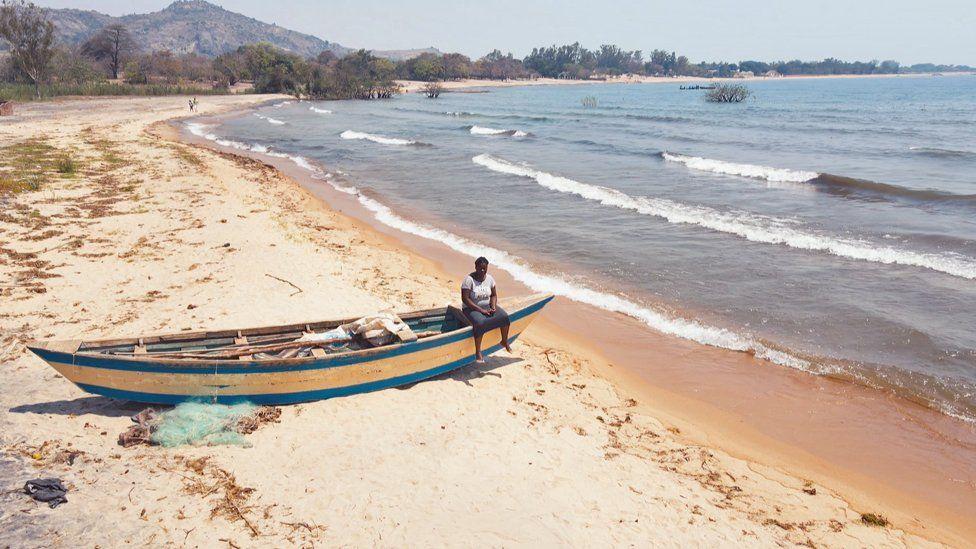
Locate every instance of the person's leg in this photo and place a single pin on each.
(477, 347)
(505, 344)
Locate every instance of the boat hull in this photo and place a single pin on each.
(281, 381)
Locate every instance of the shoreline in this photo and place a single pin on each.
(536, 447)
(413, 86)
(729, 421)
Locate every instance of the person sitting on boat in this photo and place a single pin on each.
(479, 300)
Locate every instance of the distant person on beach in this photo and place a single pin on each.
(479, 299)
(190, 101)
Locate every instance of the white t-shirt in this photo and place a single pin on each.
(480, 291)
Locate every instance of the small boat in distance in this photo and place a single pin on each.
(231, 366)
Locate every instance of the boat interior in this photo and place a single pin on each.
(273, 342)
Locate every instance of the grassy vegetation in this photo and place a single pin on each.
(25, 92)
(187, 156)
(22, 165)
(108, 150)
(67, 165)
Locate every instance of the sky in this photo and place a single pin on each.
(909, 31)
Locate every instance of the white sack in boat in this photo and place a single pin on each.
(332, 336)
(380, 329)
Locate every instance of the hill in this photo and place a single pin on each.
(196, 26)
(187, 26)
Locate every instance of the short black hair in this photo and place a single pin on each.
(481, 261)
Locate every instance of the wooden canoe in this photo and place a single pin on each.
(135, 368)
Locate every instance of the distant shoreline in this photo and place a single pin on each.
(414, 86)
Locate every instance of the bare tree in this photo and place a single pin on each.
(728, 93)
(113, 45)
(31, 37)
(433, 89)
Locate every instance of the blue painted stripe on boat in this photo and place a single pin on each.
(224, 367)
(287, 398)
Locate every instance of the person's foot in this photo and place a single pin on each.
(507, 346)
(479, 359)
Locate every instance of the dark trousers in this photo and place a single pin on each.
(481, 324)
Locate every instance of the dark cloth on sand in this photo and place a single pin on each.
(49, 490)
(481, 324)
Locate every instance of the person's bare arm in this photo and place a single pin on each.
(493, 302)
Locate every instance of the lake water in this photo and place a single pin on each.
(827, 225)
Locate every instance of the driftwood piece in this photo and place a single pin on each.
(298, 290)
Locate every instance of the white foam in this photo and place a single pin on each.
(274, 121)
(320, 111)
(482, 130)
(200, 130)
(753, 227)
(282, 104)
(349, 134)
(776, 175)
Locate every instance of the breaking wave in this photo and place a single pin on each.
(282, 104)
(839, 184)
(200, 130)
(778, 175)
(835, 184)
(481, 130)
(752, 227)
(320, 111)
(270, 120)
(942, 153)
(349, 134)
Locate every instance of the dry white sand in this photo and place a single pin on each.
(153, 235)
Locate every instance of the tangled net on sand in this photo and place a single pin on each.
(198, 424)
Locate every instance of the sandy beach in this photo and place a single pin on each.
(151, 234)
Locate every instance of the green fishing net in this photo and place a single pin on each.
(201, 424)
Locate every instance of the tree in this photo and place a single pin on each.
(359, 75)
(498, 66)
(139, 70)
(889, 67)
(728, 93)
(230, 68)
(456, 66)
(70, 67)
(433, 89)
(274, 70)
(31, 38)
(112, 45)
(426, 67)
